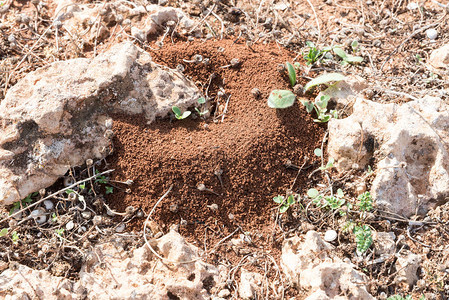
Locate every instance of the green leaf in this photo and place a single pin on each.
(290, 200)
(278, 199)
(317, 152)
(283, 209)
(109, 189)
(291, 73)
(185, 114)
(82, 186)
(325, 78)
(340, 193)
(354, 59)
(340, 52)
(201, 100)
(313, 193)
(3, 232)
(310, 44)
(309, 105)
(281, 99)
(324, 100)
(176, 110)
(69, 191)
(354, 45)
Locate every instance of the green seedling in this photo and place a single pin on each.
(355, 46)
(365, 201)
(284, 204)
(320, 107)
(101, 178)
(54, 218)
(399, 297)
(201, 112)
(314, 54)
(291, 73)
(347, 58)
(281, 99)
(178, 114)
(109, 190)
(3, 232)
(317, 152)
(331, 202)
(15, 237)
(60, 231)
(329, 165)
(363, 238)
(324, 79)
(23, 203)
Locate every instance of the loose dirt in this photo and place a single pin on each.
(250, 147)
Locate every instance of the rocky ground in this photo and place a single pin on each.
(139, 158)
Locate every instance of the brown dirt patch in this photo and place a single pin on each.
(251, 147)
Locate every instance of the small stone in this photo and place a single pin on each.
(120, 228)
(255, 92)
(70, 225)
(224, 293)
(48, 204)
(431, 34)
(86, 214)
(330, 235)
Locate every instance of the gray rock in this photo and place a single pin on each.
(310, 265)
(409, 141)
(58, 116)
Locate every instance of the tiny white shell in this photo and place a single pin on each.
(48, 204)
(120, 228)
(69, 225)
(41, 219)
(330, 235)
(431, 34)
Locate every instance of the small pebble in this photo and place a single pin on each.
(86, 214)
(48, 204)
(224, 293)
(70, 225)
(255, 92)
(330, 235)
(120, 228)
(37, 213)
(431, 34)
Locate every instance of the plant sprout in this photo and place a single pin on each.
(363, 238)
(291, 73)
(281, 99)
(324, 79)
(320, 107)
(347, 58)
(284, 203)
(201, 101)
(178, 114)
(366, 201)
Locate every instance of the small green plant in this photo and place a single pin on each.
(365, 201)
(418, 58)
(281, 99)
(109, 190)
(284, 204)
(320, 107)
(355, 46)
(201, 112)
(329, 165)
(15, 237)
(324, 79)
(399, 297)
(60, 231)
(101, 178)
(347, 58)
(23, 203)
(54, 218)
(291, 73)
(314, 54)
(363, 238)
(3, 232)
(178, 114)
(321, 201)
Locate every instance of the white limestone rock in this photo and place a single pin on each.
(59, 115)
(310, 265)
(409, 141)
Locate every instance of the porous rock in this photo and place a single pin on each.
(407, 265)
(410, 144)
(83, 19)
(110, 272)
(250, 285)
(59, 115)
(384, 243)
(310, 265)
(439, 58)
